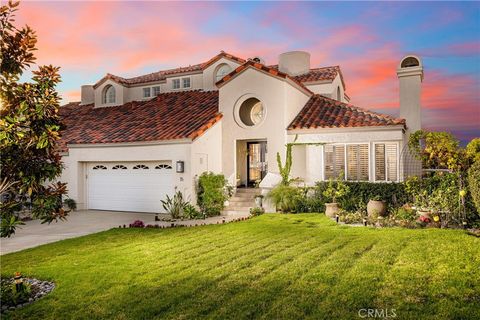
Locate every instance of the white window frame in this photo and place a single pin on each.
(216, 78)
(179, 84)
(153, 91)
(106, 96)
(189, 82)
(386, 169)
(345, 173)
(149, 92)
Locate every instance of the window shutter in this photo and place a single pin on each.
(363, 162)
(329, 171)
(339, 161)
(391, 155)
(380, 162)
(352, 162)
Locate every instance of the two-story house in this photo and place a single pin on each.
(131, 141)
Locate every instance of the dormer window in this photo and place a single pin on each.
(108, 94)
(146, 92)
(222, 71)
(156, 91)
(186, 82)
(176, 83)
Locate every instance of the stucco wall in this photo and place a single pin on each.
(74, 173)
(328, 88)
(276, 98)
(313, 162)
(209, 73)
(120, 94)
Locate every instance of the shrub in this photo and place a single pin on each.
(174, 205)
(257, 211)
(336, 189)
(474, 184)
(212, 192)
(361, 192)
(9, 294)
(404, 214)
(351, 217)
(285, 198)
(190, 212)
(70, 203)
(137, 224)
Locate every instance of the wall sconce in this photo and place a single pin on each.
(180, 166)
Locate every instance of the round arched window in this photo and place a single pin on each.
(109, 94)
(222, 71)
(251, 112)
(410, 62)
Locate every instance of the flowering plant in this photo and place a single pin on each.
(137, 224)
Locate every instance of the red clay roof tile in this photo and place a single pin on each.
(323, 112)
(174, 115)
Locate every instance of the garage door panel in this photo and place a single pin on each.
(128, 189)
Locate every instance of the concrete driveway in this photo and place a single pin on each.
(80, 223)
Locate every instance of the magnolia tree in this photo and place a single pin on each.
(29, 129)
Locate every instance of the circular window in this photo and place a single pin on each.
(251, 112)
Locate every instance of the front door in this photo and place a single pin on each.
(257, 162)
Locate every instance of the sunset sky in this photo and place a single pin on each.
(367, 40)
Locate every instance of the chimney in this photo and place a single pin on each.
(294, 63)
(87, 95)
(410, 76)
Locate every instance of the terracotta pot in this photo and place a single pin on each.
(331, 209)
(378, 207)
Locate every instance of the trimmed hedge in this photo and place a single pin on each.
(474, 184)
(211, 193)
(361, 192)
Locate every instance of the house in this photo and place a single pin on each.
(131, 141)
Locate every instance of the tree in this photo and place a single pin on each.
(473, 150)
(440, 150)
(29, 129)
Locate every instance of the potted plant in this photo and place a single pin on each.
(335, 190)
(259, 200)
(377, 205)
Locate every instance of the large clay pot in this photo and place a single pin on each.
(376, 207)
(331, 209)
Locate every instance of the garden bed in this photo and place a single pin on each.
(28, 292)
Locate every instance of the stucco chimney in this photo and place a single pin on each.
(410, 76)
(87, 94)
(294, 63)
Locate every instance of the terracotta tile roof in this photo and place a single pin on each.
(162, 75)
(174, 115)
(318, 74)
(270, 70)
(323, 112)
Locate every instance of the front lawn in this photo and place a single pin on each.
(273, 267)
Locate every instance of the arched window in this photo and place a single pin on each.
(109, 94)
(338, 94)
(222, 71)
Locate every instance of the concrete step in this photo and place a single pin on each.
(243, 197)
(248, 190)
(241, 202)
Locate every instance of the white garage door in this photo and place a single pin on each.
(129, 186)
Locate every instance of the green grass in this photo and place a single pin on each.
(270, 267)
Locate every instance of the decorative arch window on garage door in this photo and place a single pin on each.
(119, 166)
(163, 166)
(99, 167)
(140, 166)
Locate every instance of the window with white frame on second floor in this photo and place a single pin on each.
(156, 91)
(186, 82)
(176, 83)
(146, 92)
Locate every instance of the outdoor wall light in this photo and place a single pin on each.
(337, 218)
(364, 222)
(180, 166)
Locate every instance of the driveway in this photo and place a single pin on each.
(80, 223)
